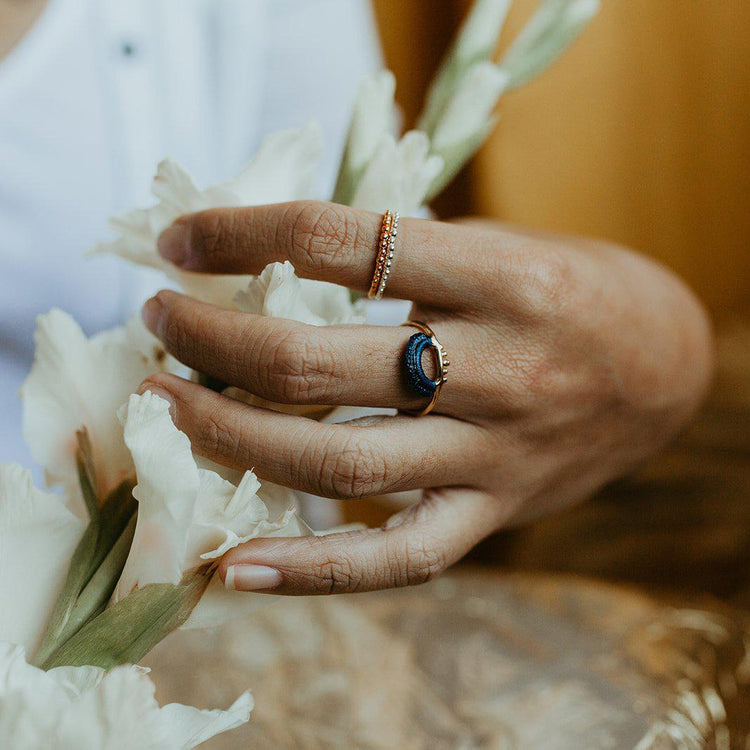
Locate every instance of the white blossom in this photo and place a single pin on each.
(374, 115)
(86, 708)
(399, 175)
(282, 170)
(552, 28)
(188, 515)
(38, 534)
(278, 292)
(475, 42)
(78, 382)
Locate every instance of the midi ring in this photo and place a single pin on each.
(418, 380)
(384, 256)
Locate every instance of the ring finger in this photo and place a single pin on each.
(368, 457)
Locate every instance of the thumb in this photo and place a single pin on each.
(414, 546)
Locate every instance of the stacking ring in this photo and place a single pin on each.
(418, 380)
(384, 256)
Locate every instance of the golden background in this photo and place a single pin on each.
(640, 133)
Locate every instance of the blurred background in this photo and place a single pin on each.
(640, 133)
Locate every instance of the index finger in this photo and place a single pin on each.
(329, 242)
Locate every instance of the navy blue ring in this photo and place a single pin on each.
(415, 374)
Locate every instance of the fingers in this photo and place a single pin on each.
(349, 460)
(288, 362)
(412, 548)
(328, 242)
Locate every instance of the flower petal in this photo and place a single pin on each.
(86, 708)
(77, 382)
(468, 113)
(167, 493)
(399, 175)
(191, 726)
(278, 292)
(476, 41)
(188, 515)
(374, 116)
(38, 535)
(282, 170)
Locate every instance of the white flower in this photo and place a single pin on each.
(86, 708)
(77, 382)
(479, 33)
(188, 515)
(466, 119)
(278, 292)
(282, 170)
(38, 534)
(468, 114)
(399, 175)
(475, 42)
(374, 116)
(553, 27)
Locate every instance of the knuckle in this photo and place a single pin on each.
(529, 379)
(321, 234)
(337, 575)
(355, 469)
(421, 559)
(547, 282)
(176, 332)
(295, 367)
(211, 232)
(217, 439)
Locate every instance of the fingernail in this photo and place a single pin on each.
(147, 387)
(151, 312)
(251, 578)
(174, 244)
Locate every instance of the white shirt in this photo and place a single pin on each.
(99, 91)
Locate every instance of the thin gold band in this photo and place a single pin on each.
(384, 254)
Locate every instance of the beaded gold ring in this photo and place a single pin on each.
(418, 380)
(384, 255)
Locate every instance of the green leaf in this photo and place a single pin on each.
(126, 632)
(105, 528)
(454, 159)
(87, 473)
(552, 29)
(78, 572)
(115, 514)
(98, 591)
(347, 180)
(462, 55)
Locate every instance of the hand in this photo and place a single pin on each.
(571, 361)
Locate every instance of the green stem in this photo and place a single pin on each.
(125, 632)
(98, 591)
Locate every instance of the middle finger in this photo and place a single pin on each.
(293, 363)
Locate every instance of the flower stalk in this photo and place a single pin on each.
(126, 632)
(108, 525)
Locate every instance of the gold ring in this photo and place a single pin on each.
(384, 255)
(419, 382)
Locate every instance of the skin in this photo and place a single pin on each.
(16, 18)
(571, 362)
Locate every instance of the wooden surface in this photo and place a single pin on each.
(475, 660)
